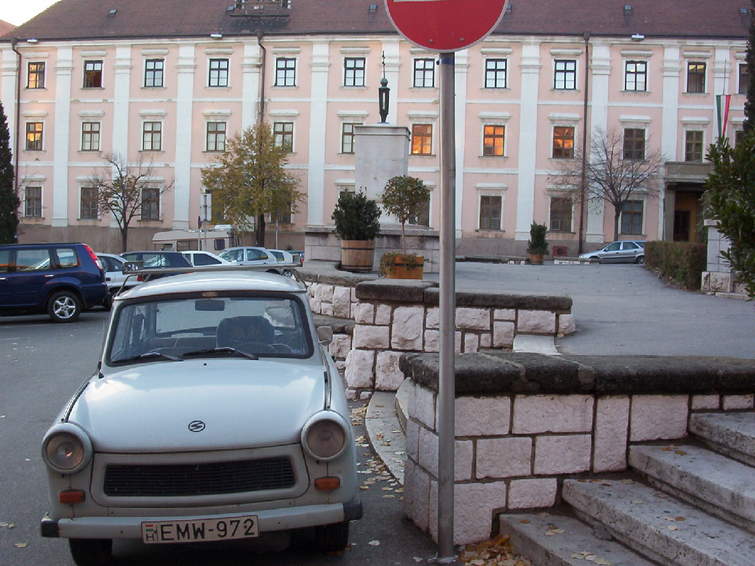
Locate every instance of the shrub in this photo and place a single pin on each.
(356, 216)
(680, 262)
(537, 244)
(403, 197)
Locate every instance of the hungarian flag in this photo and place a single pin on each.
(723, 101)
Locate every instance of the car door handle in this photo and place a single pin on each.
(49, 275)
(3, 278)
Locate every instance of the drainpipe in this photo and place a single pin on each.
(582, 185)
(261, 113)
(13, 43)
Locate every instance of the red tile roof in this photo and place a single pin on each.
(90, 19)
(5, 27)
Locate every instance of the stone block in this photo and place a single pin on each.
(417, 506)
(475, 505)
(463, 457)
(383, 314)
(422, 406)
(482, 416)
(364, 313)
(407, 328)
(471, 342)
(388, 376)
(353, 294)
(504, 457)
(472, 319)
(326, 309)
(316, 305)
(340, 346)
(326, 293)
(737, 402)
(457, 341)
(485, 340)
(552, 413)
(503, 334)
(352, 394)
(658, 417)
(359, 368)
(428, 451)
(562, 454)
(705, 402)
(611, 430)
(432, 341)
(532, 493)
(342, 302)
(432, 318)
(504, 314)
(536, 322)
(567, 324)
(412, 439)
(365, 395)
(371, 337)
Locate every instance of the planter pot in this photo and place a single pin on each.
(405, 267)
(357, 255)
(536, 259)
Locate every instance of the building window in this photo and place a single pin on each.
(34, 136)
(695, 77)
(153, 72)
(88, 208)
(563, 142)
(744, 78)
(631, 217)
(495, 73)
(424, 73)
(347, 136)
(33, 202)
(150, 204)
(35, 76)
(285, 71)
(90, 136)
(284, 135)
(565, 74)
(490, 212)
(152, 136)
(353, 71)
(693, 145)
(422, 218)
(215, 136)
(492, 139)
(422, 139)
(218, 73)
(634, 144)
(92, 74)
(635, 76)
(284, 215)
(560, 218)
(739, 137)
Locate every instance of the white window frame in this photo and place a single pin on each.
(81, 135)
(706, 86)
(162, 134)
(500, 193)
(642, 199)
(102, 71)
(207, 122)
(80, 202)
(30, 120)
(576, 61)
(275, 71)
(217, 57)
(433, 141)
(551, 196)
(692, 128)
(165, 74)
(353, 135)
(505, 127)
(160, 210)
(739, 76)
(636, 60)
(35, 61)
(286, 120)
(563, 124)
(646, 138)
(414, 71)
(364, 70)
(28, 185)
(485, 73)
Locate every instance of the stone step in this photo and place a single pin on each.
(656, 525)
(719, 485)
(558, 540)
(732, 434)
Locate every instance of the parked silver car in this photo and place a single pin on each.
(624, 251)
(216, 413)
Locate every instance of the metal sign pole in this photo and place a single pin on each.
(447, 299)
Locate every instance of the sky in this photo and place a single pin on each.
(17, 12)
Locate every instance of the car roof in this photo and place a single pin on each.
(41, 245)
(220, 281)
(150, 252)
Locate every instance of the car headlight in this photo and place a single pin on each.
(66, 448)
(324, 436)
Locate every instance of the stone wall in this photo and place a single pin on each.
(394, 317)
(718, 278)
(524, 422)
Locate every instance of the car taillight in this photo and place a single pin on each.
(94, 257)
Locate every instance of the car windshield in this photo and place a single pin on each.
(192, 327)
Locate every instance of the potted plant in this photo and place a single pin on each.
(537, 247)
(356, 218)
(403, 197)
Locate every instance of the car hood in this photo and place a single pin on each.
(242, 403)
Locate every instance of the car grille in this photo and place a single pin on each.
(126, 480)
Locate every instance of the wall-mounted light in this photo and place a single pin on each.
(32, 40)
(637, 37)
(216, 35)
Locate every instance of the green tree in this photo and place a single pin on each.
(730, 199)
(8, 200)
(749, 123)
(249, 180)
(403, 197)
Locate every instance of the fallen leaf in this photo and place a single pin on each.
(21, 544)
(679, 519)
(524, 521)
(672, 528)
(374, 543)
(680, 452)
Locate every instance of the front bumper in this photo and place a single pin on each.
(269, 520)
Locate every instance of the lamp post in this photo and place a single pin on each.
(384, 95)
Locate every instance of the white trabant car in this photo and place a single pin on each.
(216, 413)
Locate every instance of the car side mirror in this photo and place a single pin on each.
(325, 335)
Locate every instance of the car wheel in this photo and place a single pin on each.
(91, 551)
(107, 302)
(640, 259)
(332, 538)
(64, 306)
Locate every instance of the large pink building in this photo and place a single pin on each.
(167, 82)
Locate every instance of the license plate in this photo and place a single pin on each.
(198, 530)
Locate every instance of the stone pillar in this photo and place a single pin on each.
(600, 67)
(184, 104)
(669, 135)
(250, 67)
(530, 77)
(317, 124)
(8, 68)
(61, 142)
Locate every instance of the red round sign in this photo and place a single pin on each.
(445, 25)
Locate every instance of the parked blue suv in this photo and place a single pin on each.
(59, 279)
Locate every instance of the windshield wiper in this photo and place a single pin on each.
(151, 355)
(222, 350)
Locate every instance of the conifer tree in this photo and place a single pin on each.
(8, 200)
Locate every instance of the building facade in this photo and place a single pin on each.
(166, 88)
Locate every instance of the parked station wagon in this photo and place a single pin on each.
(216, 413)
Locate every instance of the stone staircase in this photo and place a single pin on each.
(685, 505)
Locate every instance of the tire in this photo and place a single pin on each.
(332, 538)
(64, 306)
(640, 259)
(107, 302)
(91, 551)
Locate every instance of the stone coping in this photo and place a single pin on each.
(492, 374)
(339, 325)
(331, 276)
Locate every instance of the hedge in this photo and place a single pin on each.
(680, 262)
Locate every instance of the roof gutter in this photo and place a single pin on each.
(16, 135)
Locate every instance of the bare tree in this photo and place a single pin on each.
(120, 191)
(615, 171)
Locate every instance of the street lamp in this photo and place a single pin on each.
(384, 95)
